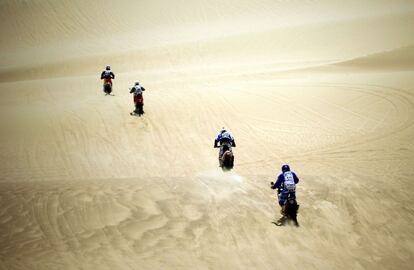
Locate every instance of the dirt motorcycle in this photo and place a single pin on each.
(226, 160)
(290, 212)
(138, 100)
(139, 105)
(107, 86)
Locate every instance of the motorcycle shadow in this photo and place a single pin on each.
(226, 169)
(286, 221)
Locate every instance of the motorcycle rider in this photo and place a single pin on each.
(286, 184)
(107, 75)
(226, 140)
(137, 89)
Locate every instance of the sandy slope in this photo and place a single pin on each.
(324, 86)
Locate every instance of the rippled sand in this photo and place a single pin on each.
(326, 86)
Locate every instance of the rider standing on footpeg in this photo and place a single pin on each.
(107, 75)
(225, 139)
(286, 186)
(137, 90)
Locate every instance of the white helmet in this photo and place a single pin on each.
(108, 67)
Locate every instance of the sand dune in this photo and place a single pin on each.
(325, 86)
(398, 59)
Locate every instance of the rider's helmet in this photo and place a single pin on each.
(223, 130)
(285, 168)
(136, 83)
(108, 67)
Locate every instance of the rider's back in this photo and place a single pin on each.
(225, 138)
(107, 74)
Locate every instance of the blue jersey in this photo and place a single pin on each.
(287, 181)
(224, 136)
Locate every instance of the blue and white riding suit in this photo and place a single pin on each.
(224, 138)
(287, 182)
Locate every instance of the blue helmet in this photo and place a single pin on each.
(285, 168)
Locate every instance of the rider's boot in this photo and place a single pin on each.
(281, 220)
(283, 210)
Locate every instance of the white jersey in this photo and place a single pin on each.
(137, 90)
(226, 135)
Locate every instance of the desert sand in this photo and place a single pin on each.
(324, 86)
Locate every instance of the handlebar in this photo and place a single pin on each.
(279, 189)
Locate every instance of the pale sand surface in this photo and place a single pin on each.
(326, 86)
